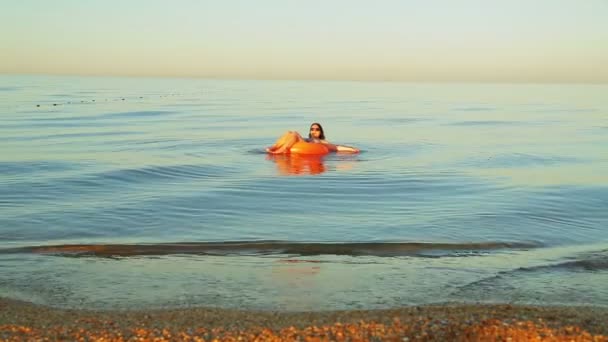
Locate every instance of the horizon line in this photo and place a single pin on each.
(319, 79)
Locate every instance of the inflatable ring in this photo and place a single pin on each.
(302, 147)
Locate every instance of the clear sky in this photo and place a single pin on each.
(409, 40)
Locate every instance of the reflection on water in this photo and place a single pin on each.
(302, 164)
(296, 164)
(296, 280)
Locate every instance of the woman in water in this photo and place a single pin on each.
(316, 135)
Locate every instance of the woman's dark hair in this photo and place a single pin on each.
(322, 136)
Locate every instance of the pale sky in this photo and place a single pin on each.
(404, 40)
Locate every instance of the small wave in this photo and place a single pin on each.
(484, 123)
(21, 167)
(144, 174)
(382, 249)
(396, 120)
(135, 114)
(475, 109)
(85, 135)
(511, 279)
(567, 110)
(520, 160)
(591, 263)
(596, 261)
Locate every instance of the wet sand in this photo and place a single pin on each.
(449, 322)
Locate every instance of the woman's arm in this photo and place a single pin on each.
(339, 148)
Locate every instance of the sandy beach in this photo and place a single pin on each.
(21, 321)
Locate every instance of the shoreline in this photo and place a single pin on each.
(26, 321)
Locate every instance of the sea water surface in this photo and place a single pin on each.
(148, 192)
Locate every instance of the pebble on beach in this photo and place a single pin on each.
(422, 330)
(24, 321)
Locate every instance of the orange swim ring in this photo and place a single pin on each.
(302, 147)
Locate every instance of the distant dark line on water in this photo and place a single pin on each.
(484, 123)
(383, 249)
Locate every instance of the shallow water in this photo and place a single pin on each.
(128, 192)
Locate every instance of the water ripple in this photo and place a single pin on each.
(520, 160)
(135, 114)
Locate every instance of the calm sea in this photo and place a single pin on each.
(146, 192)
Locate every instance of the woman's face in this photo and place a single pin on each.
(315, 131)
